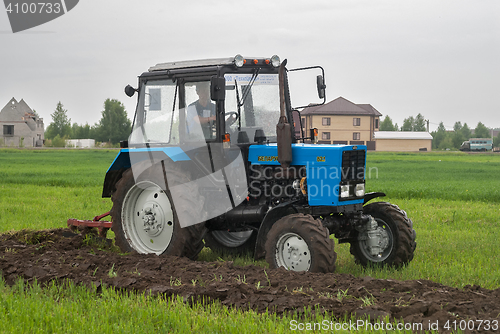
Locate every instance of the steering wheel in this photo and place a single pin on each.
(231, 117)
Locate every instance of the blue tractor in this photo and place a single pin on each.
(214, 160)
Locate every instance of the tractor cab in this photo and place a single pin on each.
(233, 101)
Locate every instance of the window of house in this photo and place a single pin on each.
(356, 121)
(376, 123)
(326, 121)
(356, 136)
(325, 136)
(303, 120)
(8, 130)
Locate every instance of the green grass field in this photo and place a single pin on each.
(452, 198)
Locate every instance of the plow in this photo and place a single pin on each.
(102, 226)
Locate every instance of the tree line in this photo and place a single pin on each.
(113, 126)
(417, 123)
(442, 139)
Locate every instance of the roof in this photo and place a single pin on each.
(17, 111)
(199, 63)
(342, 106)
(402, 135)
(370, 108)
(191, 63)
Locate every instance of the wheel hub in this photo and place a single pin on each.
(292, 252)
(375, 240)
(152, 226)
(294, 255)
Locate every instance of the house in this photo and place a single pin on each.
(343, 122)
(403, 141)
(20, 126)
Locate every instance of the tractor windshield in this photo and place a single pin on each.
(156, 111)
(256, 98)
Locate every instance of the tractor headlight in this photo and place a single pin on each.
(344, 191)
(275, 61)
(239, 60)
(359, 191)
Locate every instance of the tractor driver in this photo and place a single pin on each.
(201, 112)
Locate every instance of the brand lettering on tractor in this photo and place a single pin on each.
(320, 159)
(267, 158)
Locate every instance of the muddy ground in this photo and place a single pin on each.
(61, 254)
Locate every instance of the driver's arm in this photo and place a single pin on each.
(204, 120)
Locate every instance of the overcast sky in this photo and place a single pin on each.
(404, 57)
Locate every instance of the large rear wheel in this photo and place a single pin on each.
(299, 242)
(144, 217)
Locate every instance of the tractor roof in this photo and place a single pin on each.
(237, 60)
(191, 63)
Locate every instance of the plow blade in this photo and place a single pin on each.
(102, 226)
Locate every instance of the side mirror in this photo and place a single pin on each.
(320, 85)
(130, 91)
(217, 88)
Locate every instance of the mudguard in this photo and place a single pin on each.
(271, 217)
(370, 196)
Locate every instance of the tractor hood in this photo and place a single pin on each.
(303, 154)
(328, 168)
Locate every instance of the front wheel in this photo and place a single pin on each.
(396, 234)
(299, 242)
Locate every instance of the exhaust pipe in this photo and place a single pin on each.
(283, 128)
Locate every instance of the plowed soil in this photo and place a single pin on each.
(61, 254)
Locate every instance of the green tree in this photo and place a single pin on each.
(446, 143)
(420, 124)
(58, 141)
(114, 125)
(80, 131)
(496, 141)
(466, 132)
(481, 131)
(61, 124)
(386, 124)
(457, 138)
(408, 124)
(417, 123)
(438, 136)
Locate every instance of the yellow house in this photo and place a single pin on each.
(343, 122)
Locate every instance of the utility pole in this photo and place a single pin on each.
(427, 125)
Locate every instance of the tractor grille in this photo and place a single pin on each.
(353, 165)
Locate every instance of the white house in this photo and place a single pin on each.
(80, 143)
